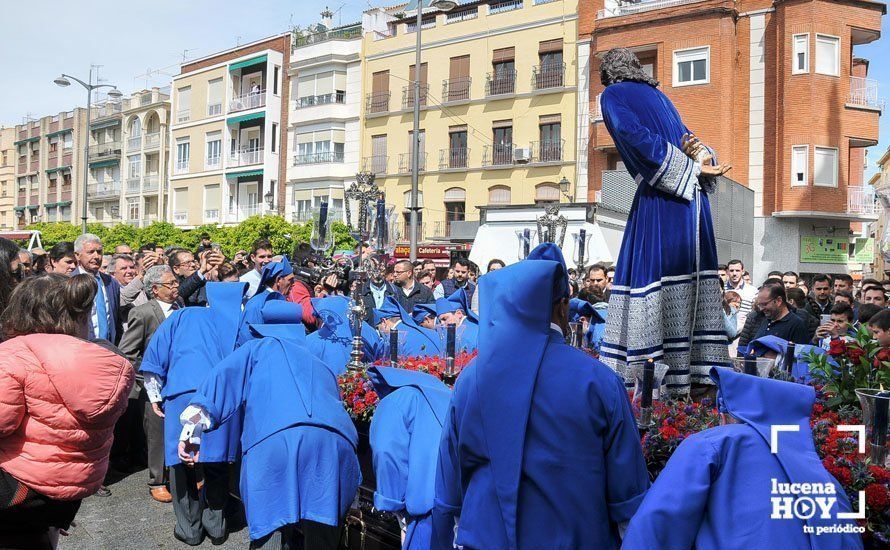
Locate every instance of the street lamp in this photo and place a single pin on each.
(270, 199)
(564, 185)
(63, 81)
(418, 5)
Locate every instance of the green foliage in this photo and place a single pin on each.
(861, 364)
(283, 235)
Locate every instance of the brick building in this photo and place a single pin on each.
(775, 88)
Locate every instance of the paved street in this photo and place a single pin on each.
(130, 519)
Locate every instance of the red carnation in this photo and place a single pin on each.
(880, 474)
(669, 432)
(877, 496)
(843, 475)
(883, 354)
(837, 347)
(855, 354)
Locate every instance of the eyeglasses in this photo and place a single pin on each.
(171, 284)
(399, 272)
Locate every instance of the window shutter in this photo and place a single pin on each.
(503, 54)
(548, 46)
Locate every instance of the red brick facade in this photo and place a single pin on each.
(798, 109)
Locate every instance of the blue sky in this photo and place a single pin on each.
(129, 41)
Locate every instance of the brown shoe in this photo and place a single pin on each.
(161, 494)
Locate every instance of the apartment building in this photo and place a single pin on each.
(7, 178)
(326, 79)
(145, 140)
(49, 168)
(228, 125)
(498, 85)
(106, 145)
(776, 88)
(880, 181)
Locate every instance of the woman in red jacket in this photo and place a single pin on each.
(60, 396)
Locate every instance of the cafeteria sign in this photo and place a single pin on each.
(824, 250)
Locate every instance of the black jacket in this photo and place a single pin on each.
(419, 295)
(191, 290)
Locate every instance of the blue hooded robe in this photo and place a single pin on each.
(666, 274)
(540, 447)
(800, 370)
(422, 311)
(298, 443)
(332, 343)
(469, 331)
(716, 490)
(182, 352)
(596, 317)
(419, 341)
(405, 434)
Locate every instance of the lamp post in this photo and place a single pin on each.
(564, 185)
(114, 93)
(441, 5)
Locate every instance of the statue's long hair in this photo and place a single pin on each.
(622, 65)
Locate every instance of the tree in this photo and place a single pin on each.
(56, 232)
(121, 234)
(161, 233)
(280, 233)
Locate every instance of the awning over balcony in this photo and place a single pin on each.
(244, 174)
(104, 163)
(248, 62)
(59, 133)
(58, 169)
(245, 118)
(63, 203)
(18, 208)
(105, 124)
(29, 140)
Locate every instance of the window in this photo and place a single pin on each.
(214, 150)
(801, 61)
(214, 97)
(184, 108)
(547, 193)
(135, 166)
(800, 158)
(133, 209)
(457, 147)
(275, 136)
(302, 208)
(319, 147)
(550, 146)
(212, 203)
(68, 140)
(692, 66)
(182, 155)
(828, 54)
(502, 152)
(825, 166)
(499, 194)
(276, 73)
(379, 159)
(53, 144)
(455, 206)
(51, 213)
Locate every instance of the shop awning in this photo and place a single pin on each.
(248, 62)
(104, 163)
(245, 118)
(59, 133)
(244, 174)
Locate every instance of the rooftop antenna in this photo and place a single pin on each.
(237, 40)
(185, 53)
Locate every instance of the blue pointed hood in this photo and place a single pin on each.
(762, 403)
(293, 332)
(422, 311)
(801, 368)
(391, 308)
(253, 313)
(579, 308)
(225, 300)
(505, 383)
(274, 270)
(457, 301)
(388, 379)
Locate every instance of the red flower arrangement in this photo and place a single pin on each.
(358, 393)
(674, 421)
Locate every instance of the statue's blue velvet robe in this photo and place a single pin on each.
(715, 491)
(405, 434)
(332, 343)
(182, 352)
(298, 443)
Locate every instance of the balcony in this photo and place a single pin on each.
(245, 157)
(864, 93)
(239, 213)
(498, 156)
(378, 164)
(408, 96)
(181, 166)
(134, 143)
(105, 150)
(345, 33)
(547, 151)
(104, 190)
(377, 102)
(133, 185)
(456, 89)
(549, 76)
(324, 99)
(303, 216)
(325, 157)
(183, 115)
(150, 183)
(211, 215)
(631, 9)
(405, 162)
(214, 109)
(152, 140)
(453, 158)
(503, 83)
(180, 217)
(861, 202)
(251, 100)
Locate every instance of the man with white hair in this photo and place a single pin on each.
(122, 268)
(105, 322)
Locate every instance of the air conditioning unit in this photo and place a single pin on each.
(522, 155)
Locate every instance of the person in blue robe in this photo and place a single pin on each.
(718, 488)
(666, 297)
(455, 310)
(332, 342)
(540, 448)
(404, 436)
(773, 347)
(179, 355)
(595, 318)
(418, 342)
(298, 444)
(276, 275)
(425, 315)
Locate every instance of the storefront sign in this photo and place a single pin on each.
(864, 251)
(824, 250)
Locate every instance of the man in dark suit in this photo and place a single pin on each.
(409, 292)
(375, 291)
(105, 321)
(162, 287)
